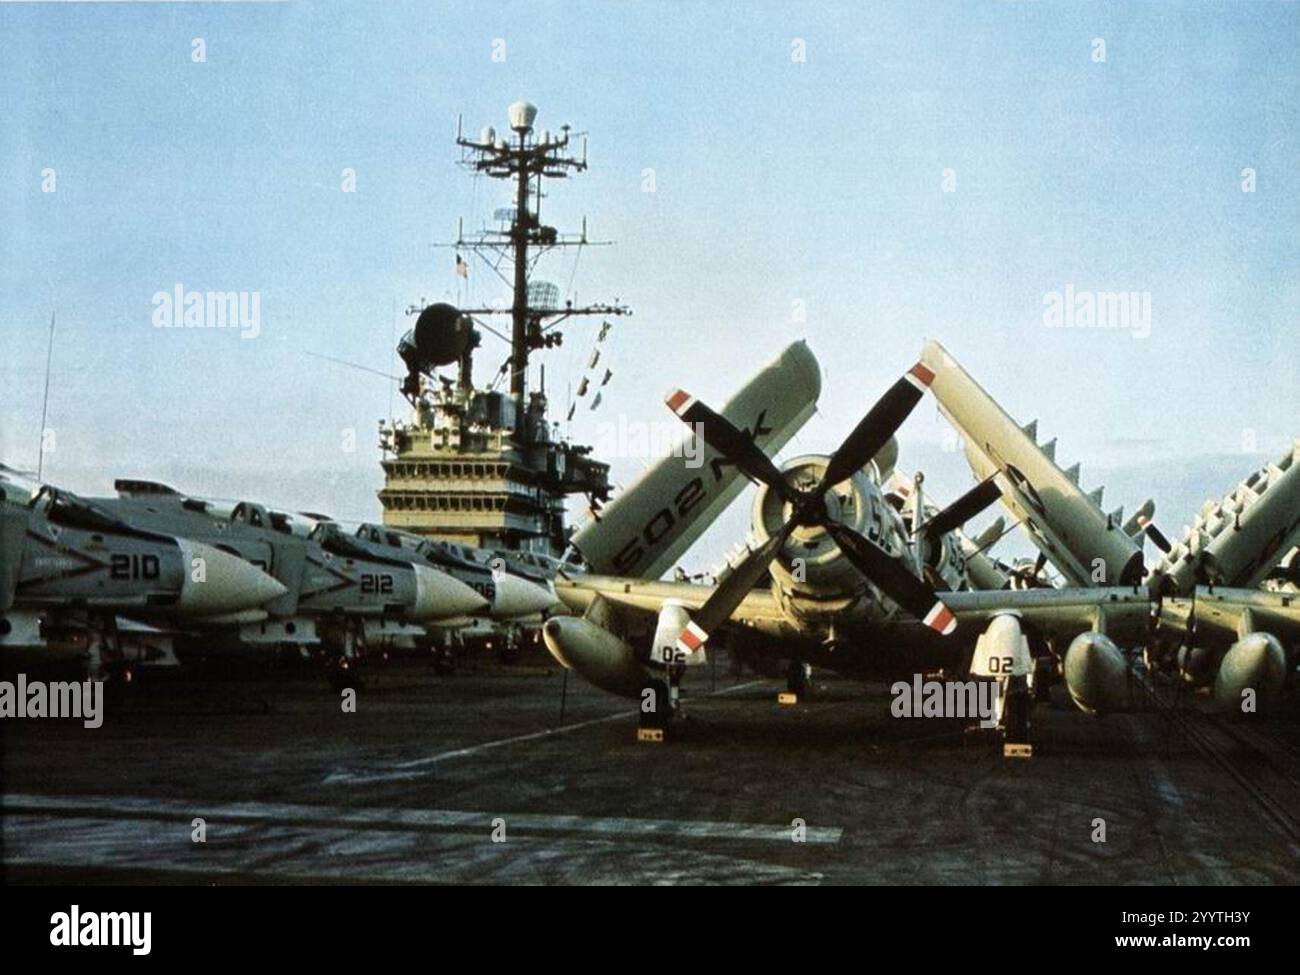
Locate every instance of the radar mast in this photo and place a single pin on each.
(474, 465)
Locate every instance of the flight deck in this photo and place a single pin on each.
(510, 774)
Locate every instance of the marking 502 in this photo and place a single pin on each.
(661, 523)
(658, 526)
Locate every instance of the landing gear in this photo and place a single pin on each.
(107, 662)
(1044, 676)
(798, 682)
(343, 645)
(341, 672)
(656, 711)
(511, 645)
(1015, 719)
(509, 652)
(444, 661)
(442, 653)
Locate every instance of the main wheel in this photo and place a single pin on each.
(342, 673)
(1015, 717)
(444, 661)
(656, 710)
(798, 678)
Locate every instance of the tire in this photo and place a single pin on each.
(1016, 717)
(342, 673)
(662, 716)
(796, 679)
(444, 662)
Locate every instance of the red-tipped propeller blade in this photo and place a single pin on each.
(720, 434)
(893, 579)
(875, 429)
(866, 440)
(717, 609)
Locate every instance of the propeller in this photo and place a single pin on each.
(809, 508)
(720, 434)
(731, 592)
(962, 510)
(874, 430)
(1030, 577)
(1158, 538)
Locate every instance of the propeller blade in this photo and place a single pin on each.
(963, 509)
(724, 600)
(893, 578)
(1158, 538)
(720, 434)
(1040, 564)
(875, 429)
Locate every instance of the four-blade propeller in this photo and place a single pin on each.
(808, 508)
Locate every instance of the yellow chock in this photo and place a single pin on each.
(650, 734)
(1013, 749)
(785, 697)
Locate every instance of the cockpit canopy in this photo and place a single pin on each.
(63, 508)
(378, 535)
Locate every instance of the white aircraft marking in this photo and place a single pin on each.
(413, 769)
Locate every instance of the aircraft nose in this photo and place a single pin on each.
(439, 595)
(217, 582)
(519, 597)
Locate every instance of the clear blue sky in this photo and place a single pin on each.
(775, 182)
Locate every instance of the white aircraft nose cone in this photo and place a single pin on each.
(440, 596)
(216, 582)
(519, 597)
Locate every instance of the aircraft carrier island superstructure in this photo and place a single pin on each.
(484, 466)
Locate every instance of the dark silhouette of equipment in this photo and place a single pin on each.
(442, 336)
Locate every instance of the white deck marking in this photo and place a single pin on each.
(391, 817)
(413, 769)
(300, 853)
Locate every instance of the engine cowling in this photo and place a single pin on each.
(810, 562)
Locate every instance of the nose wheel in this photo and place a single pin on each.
(655, 711)
(1015, 719)
(344, 648)
(798, 682)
